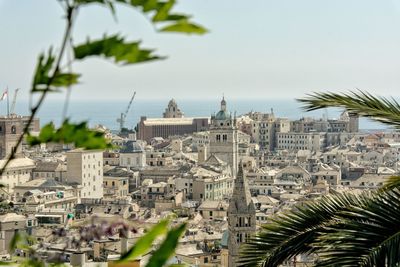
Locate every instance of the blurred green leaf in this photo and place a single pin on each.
(42, 78)
(69, 133)
(167, 248)
(115, 47)
(184, 26)
(163, 11)
(145, 243)
(16, 240)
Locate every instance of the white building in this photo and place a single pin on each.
(85, 167)
(18, 171)
(292, 141)
(132, 155)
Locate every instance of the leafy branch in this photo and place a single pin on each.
(49, 76)
(42, 77)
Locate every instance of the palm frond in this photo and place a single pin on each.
(364, 104)
(294, 232)
(366, 235)
(391, 183)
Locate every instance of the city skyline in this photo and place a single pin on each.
(286, 49)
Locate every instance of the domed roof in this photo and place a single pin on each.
(222, 115)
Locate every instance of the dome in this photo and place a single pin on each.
(222, 115)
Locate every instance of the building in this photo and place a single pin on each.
(85, 167)
(11, 128)
(132, 155)
(173, 123)
(10, 224)
(166, 127)
(264, 128)
(224, 137)
(50, 169)
(293, 141)
(241, 217)
(172, 111)
(115, 187)
(18, 171)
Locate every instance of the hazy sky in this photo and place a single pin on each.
(257, 48)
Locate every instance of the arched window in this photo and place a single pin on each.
(13, 129)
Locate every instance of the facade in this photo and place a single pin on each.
(293, 141)
(11, 128)
(172, 111)
(132, 155)
(85, 167)
(53, 169)
(241, 217)
(115, 187)
(224, 137)
(10, 224)
(265, 126)
(166, 127)
(18, 171)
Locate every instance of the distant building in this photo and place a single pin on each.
(166, 127)
(85, 167)
(293, 141)
(265, 127)
(172, 111)
(224, 137)
(241, 217)
(11, 128)
(18, 171)
(132, 155)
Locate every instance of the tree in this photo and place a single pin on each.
(50, 76)
(339, 229)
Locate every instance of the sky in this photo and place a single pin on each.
(255, 49)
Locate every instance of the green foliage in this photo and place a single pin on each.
(45, 79)
(364, 104)
(167, 248)
(184, 26)
(115, 47)
(294, 232)
(144, 244)
(161, 13)
(365, 235)
(69, 133)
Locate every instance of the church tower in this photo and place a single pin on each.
(241, 217)
(172, 111)
(224, 137)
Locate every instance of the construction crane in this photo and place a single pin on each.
(14, 101)
(121, 119)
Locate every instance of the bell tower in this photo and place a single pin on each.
(224, 137)
(241, 217)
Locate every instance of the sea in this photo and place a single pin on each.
(106, 112)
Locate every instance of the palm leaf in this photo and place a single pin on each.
(361, 103)
(296, 231)
(367, 235)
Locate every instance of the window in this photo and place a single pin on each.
(218, 137)
(13, 129)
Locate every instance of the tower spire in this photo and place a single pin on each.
(223, 103)
(241, 216)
